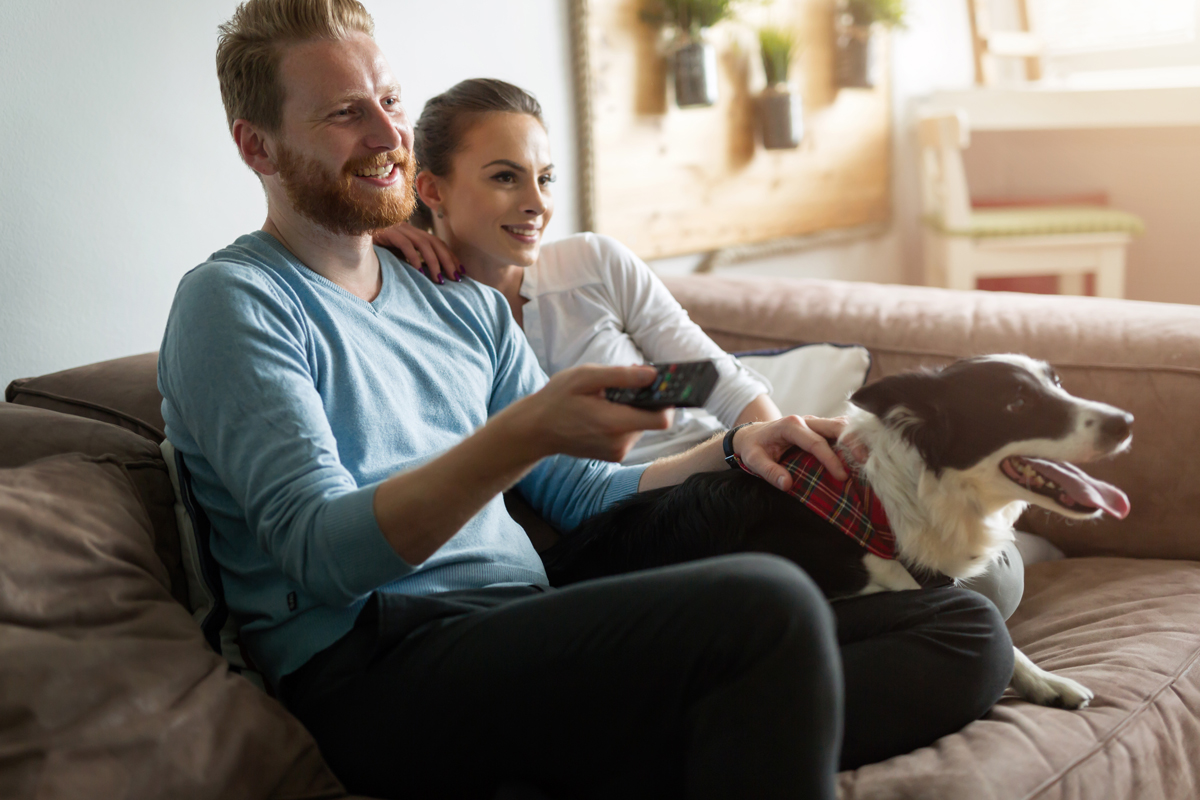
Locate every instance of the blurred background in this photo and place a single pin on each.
(119, 175)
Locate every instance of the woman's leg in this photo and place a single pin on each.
(1004, 582)
(917, 665)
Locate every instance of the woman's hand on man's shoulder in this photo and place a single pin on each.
(422, 250)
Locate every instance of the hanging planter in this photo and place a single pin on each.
(695, 68)
(693, 59)
(856, 59)
(780, 107)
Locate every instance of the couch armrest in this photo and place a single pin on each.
(1143, 357)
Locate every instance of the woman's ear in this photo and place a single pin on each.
(429, 189)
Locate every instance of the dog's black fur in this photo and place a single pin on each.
(709, 514)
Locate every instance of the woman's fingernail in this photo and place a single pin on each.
(440, 279)
(458, 277)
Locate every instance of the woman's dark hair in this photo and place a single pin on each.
(446, 119)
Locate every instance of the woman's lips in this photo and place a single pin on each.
(522, 234)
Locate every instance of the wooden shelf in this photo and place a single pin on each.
(1127, 99)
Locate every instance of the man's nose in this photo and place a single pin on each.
(389, 131)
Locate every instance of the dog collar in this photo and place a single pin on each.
(849, 506)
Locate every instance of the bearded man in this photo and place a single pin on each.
(349, 428)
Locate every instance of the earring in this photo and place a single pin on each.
(440, 214)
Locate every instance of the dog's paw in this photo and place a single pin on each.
(1037, 685)
(1059, 692)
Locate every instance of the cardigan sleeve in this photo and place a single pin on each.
(663, 331)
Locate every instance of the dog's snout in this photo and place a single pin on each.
(1114, 428)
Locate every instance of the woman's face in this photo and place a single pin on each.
(496, 202)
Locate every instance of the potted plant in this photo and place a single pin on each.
(780, 110)
(856, 58)
(693, 60)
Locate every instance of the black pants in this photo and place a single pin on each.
(728, 677)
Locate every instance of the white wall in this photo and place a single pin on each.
(118, 172)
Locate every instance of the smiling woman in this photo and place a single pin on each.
(484, 183)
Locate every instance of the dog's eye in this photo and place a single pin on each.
(1015, 405)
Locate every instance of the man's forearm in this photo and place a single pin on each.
(419, 510)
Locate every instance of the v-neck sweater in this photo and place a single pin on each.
(291, 399)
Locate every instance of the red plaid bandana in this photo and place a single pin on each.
(851, 507)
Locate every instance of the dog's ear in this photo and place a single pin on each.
(925, 425)
(883, 395)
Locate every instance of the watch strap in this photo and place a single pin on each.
(727, 445)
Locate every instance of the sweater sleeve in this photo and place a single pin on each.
(563, 489)
(235, 370)
(663, 331)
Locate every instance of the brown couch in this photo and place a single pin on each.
(108, 689)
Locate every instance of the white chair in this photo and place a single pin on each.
(963, 244)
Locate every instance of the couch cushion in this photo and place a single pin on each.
(1130, 631)
(108, 689)
(27, 434)
(123, 391)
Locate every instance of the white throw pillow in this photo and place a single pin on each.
(815, 379)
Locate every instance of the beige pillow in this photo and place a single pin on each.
(108, 689)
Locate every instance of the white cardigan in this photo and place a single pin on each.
(591, 300)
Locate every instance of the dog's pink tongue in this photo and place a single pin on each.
(1083, 488)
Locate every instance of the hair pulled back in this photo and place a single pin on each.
(445, 120)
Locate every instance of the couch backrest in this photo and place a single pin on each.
(1142, 357)
(123, 391)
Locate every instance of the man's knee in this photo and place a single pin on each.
(766, 598)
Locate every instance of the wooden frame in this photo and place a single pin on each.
(667, 181)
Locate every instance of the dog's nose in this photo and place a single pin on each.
(1114, 428)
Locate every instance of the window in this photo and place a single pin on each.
(1086, 35)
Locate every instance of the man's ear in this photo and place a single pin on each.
(429, 189)
(254, 147)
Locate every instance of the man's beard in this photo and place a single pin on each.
(334, 203)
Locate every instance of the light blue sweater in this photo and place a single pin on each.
(291, 400)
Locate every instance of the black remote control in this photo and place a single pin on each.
(685, 383)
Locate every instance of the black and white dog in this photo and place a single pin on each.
(954, 455)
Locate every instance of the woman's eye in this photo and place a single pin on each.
(546, 180)
(505, 177)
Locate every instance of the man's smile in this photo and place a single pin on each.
(385, 175)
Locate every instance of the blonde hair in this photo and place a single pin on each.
(250, 45)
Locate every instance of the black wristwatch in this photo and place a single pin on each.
(727, 445)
